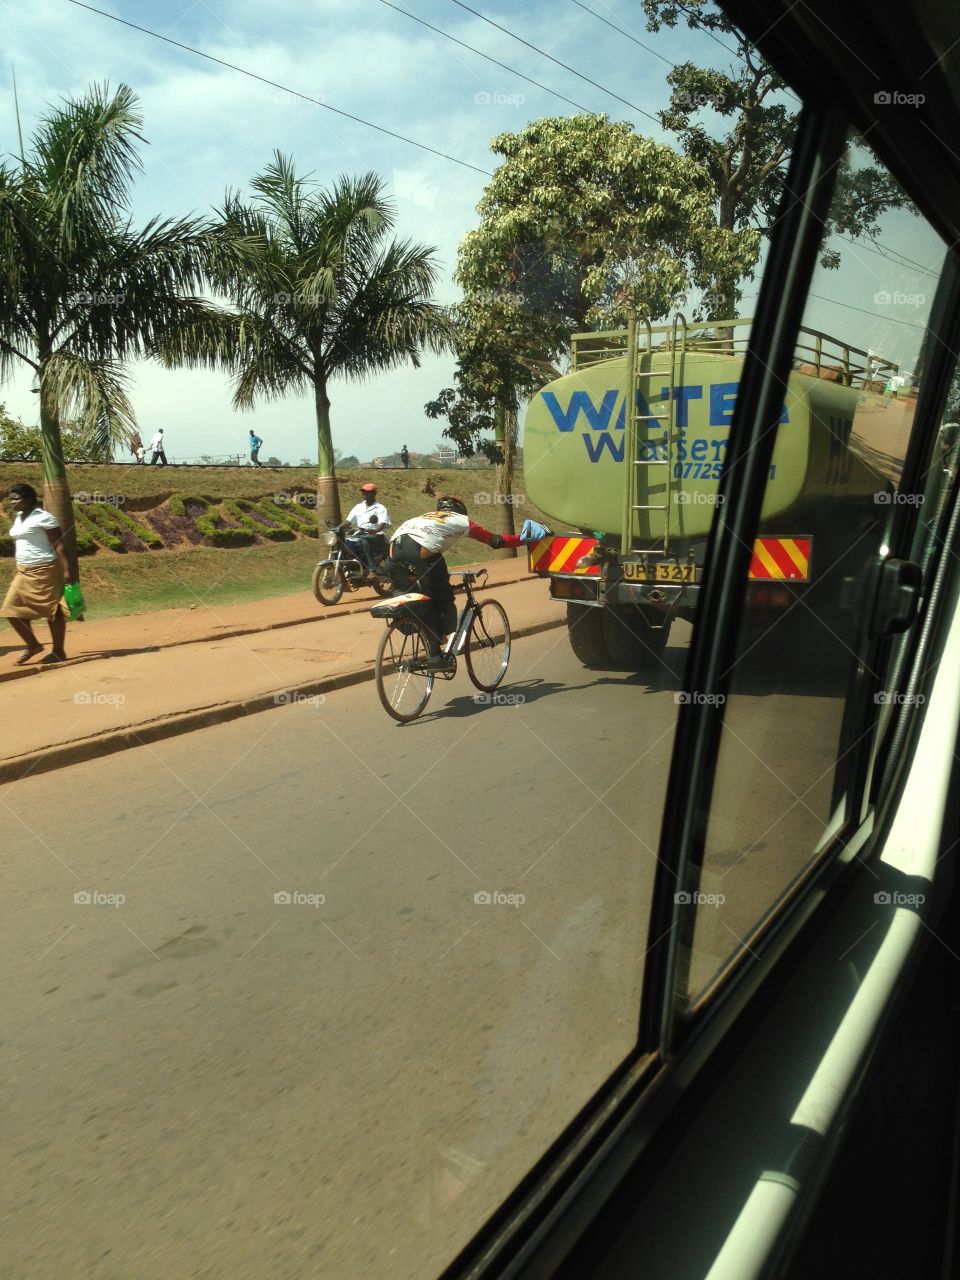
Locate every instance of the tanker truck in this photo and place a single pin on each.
(625, 453)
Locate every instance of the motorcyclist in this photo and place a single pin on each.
(416, 562)
(371, 519)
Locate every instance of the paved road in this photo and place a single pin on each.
(207, 1082)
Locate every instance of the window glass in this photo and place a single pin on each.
(833, 484)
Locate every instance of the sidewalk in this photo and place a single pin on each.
(137, 679)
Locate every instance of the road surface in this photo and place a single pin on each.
(256, 1020)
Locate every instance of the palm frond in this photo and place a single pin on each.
(92, 393)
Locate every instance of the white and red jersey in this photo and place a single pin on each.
(437, 529)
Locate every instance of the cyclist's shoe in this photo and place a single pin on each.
(439, 662)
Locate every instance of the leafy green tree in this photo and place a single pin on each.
(499, 361)
(329, 296)
(81, 289)
(20, 443)
(585, 219)
(747, 152)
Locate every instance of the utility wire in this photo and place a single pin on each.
(443, 154)
(463, 45)
(513, 35)
(274, 84)
(872, 314)
(620, 31)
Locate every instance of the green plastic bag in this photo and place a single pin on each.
(74, 600)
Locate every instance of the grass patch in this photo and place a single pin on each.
(165, 502)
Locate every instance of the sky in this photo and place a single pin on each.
(210, 128)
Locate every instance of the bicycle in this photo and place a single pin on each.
(482, 634)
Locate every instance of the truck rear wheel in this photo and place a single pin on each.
(585, 629)
(630, 640)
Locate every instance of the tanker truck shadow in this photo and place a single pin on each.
(807, 666)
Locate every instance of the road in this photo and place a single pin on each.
(204, 1081)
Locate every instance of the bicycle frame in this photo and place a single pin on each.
(458, 638)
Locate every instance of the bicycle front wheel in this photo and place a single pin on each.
(488, 646)
(403, 684)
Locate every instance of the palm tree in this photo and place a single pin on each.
(81, 290)
(330, 295)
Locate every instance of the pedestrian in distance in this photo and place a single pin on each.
(36, 592)
(156, 444)
(405, 457)
(255, 443)
(141, 455)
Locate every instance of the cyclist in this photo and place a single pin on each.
(371, 518)
(416, 563)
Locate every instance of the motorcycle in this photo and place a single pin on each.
(343, 571)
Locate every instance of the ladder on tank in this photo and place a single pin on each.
(637, 376)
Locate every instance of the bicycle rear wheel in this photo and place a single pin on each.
(402, 683)
(488, 646)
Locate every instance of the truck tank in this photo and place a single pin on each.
(837, 436)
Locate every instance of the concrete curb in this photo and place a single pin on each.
(364, 607)
(47, 759)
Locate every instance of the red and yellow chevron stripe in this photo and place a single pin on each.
(560, 554)
(783, 558)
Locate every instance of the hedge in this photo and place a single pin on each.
(288, 516)
(241, 509)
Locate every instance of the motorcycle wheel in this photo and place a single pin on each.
(327, 583)
(382, 586)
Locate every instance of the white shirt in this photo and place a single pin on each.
(157, 442)
(362, 515)
(435, 530)
(33, 545)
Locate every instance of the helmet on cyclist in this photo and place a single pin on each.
(449, 503)
(368, 488)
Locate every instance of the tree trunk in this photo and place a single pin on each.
(723, 294)
(56, 488)
(506, 436)
(328, 496)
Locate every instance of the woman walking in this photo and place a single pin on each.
(42, 569)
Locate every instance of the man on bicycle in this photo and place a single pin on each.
(371, 518)
(416, 563)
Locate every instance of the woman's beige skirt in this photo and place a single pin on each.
(36, 592)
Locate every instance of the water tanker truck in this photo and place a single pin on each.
(626, 452)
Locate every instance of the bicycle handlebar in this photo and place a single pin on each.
(469, 575)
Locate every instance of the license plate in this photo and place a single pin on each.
(662, 571)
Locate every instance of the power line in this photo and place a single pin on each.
(620, 31)
(274, 84)
(446, 35)
(513, 36)
(873, 315)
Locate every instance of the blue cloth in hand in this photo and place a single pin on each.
(532, 532)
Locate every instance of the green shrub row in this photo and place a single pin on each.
(289, 516)
(147, 536)
(248, 516)
(105, 519)
(91, 524)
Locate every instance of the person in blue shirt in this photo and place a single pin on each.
(255, 443)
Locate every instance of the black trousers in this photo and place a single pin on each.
(431, 576)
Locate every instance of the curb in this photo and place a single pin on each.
(47, 759)
(16, 674)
